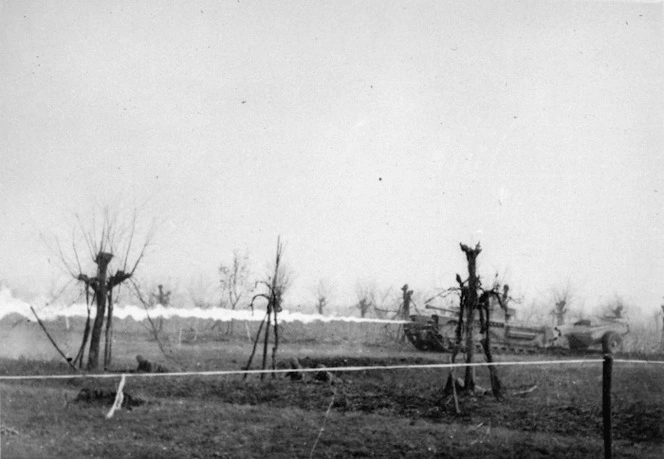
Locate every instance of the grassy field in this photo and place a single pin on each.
(373, 413)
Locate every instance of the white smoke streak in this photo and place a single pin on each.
(11, 305)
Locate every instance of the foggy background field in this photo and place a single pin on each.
(373, 137)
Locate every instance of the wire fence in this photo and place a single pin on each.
(330, 369)
(607, 362)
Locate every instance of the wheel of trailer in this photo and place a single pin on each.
(611, 343)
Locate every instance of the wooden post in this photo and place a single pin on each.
(607, 366)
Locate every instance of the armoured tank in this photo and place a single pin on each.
(437, 332)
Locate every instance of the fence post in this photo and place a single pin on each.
(607, 366)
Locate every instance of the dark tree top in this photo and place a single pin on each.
(476, 251)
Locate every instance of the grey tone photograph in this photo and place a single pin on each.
(331, 229)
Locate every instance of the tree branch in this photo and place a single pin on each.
(88, 239)
(41, 324)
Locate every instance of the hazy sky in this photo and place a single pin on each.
(373, 136)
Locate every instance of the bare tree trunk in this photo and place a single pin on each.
(560, 312)
(108, 339)
(471, 306)
(253, 350)
(662, 339)
(469, 302)
(407, 295)
(496, 387)
(364, 307)
(450, 386)
(276, 343)
(273, 305)
(86, 335)
(266, 340)
(102, 260)
(57, 348)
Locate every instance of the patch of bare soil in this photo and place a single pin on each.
(107, 397)
(417, 395)
(640, 422)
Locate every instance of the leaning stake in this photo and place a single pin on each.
(41, 324)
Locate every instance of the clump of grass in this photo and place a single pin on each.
(27, 366)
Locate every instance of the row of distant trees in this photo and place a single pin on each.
(103, 257)
(567, 307)
(235, 284)
(110, 241)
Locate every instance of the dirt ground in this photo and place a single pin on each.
(369, 413)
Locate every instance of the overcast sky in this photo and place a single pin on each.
(373, 136)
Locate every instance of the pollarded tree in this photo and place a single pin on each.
(385, 303)
(365, 297)
(112, 248)
(148, 301)
(563, 296)
(473, 298)
(371, 298)
(470, 304)
(162, 298)
(616, 308)
(324, 291)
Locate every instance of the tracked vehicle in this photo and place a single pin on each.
(437, 333)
